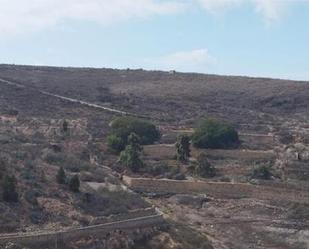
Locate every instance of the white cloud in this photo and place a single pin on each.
(195, 60)
(31, 15)
(270, 10)
(22, 16)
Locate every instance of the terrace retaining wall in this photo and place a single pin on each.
(125, 216)
(216, 189)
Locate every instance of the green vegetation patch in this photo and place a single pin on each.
(122, 127)
(213, 134)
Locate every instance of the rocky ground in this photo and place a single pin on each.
(271, 115)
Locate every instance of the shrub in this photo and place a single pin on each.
(65, 126)
(183, 148)
(55, 158)
(203, 167)
(285, 137)
(36, 217)
(29, 164)
(11, 112)
(9, 189)
(28, 175)
(214, 135)
(61, 177)
(74, 183)
(122, 127)
(116, 143)
(262, 172)
(175, 174)
(130, 157)
(3, 166)
(179, 177)
(97, 175)
(20, 155)
(75, 165)
(31, 197)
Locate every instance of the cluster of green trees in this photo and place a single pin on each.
(202, 166)
(130, 156)
(126, 138)
(9, 183)
(210, 134)
(123, 127)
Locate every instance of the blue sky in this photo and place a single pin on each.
(266, 38)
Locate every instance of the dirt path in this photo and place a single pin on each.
(81, 102)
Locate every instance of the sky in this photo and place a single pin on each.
(264, 38)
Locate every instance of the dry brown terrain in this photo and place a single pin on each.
(160, 93)
(271, 115)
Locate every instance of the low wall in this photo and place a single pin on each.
(125, 216)
(216, 189)
(167, 151)
(101, 230)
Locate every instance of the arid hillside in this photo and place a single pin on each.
(158, 94)
(253, 194)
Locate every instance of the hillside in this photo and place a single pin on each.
(159, 94)
(54, 117)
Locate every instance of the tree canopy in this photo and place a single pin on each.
(214, 135)
(130, 157)
(61, 177)
(203, 167)
(183, 148)
(122, 127)
(74, 183)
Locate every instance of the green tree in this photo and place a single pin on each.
(183, 148)
(122, 127)
(9, 193)
(215, 135)
(61, 177)
(116, 143)
(135, 141)
(130, 157)
(203, 167)
(65, 126)
(74, 183)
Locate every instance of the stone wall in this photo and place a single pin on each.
(125, 216)
(101, 230)
(216, 189)
(167, 151)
